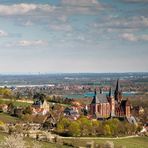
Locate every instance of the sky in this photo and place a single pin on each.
(64, 36)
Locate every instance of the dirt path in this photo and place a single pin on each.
(95, 138)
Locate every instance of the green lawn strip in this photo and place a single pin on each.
(130, 143)
(22, 104)
(15, 102)
(8, 119)
(137, 142)
(44, 144)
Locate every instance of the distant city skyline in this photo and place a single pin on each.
(73, 36)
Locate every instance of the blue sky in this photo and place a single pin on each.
(51, 36)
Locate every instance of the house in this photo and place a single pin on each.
(50, 122)
(4, 108)
(72, 112)
(40, 107)
(39, 111)
(138, 110)
(103, 106)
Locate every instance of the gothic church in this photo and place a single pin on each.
(103, 106)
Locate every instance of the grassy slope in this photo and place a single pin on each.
(7, 118)
(16, 103)
(138, 142)
(30, 142)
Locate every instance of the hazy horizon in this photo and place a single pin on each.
(54, 73)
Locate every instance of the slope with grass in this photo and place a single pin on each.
(30, 142)
(135, 142)
(17, 103)
(6, 118)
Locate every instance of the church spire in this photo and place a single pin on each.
(118, 92)
(101, 91)
(95, 92)
(118, 86)
(94, 97)
(110, 92)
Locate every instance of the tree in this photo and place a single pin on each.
(95, 125)
(74, 129)
(28, 110)
(13, 142)
(6, 93)
(107, 130)
(63, 125)
(39, 96)
(11, 108)
(114, 126)
(16, 141)
(85, 126)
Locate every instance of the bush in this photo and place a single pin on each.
(108, 144)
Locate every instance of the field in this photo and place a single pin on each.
(16, 103)
(7, 118)
(137, 142)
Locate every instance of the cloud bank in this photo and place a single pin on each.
(131, 37)
(3, 33)
(23, 8)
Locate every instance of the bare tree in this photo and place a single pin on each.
(16, 141)
(13, 142)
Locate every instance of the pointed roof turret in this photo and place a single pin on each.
(110, 92)
(94, 97)
(101, 91)
(118, 92)
(95, 92)
(117, 86)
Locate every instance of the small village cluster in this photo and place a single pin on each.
(102, 107)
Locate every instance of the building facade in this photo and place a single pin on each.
(103, 106)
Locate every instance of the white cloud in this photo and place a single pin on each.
(3, 33)
(131, 37)
(144, 37)
(81, 6)
(135, 1)
(23, 8)
(25, 43)
(80, 2)
(60, 27)
(135, 22)
(120, 25)
(27, 23)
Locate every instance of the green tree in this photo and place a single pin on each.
(62, 125)
(85, 126)
(74, 129)
(107, 130)
(39, 96)
(114, 126)
(95, 125)
(6, 93)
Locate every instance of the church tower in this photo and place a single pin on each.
(118, 92)
(93, 103)
(112, 103)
